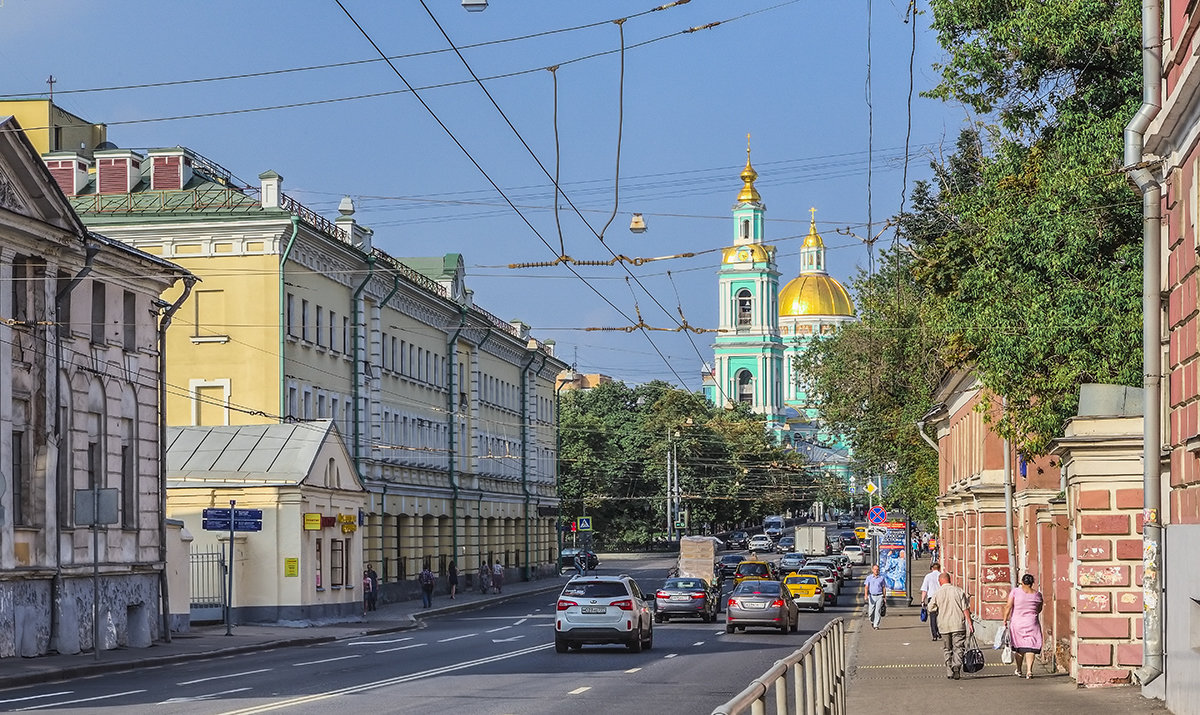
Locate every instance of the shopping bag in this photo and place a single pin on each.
(1006, 654)
(973, 657)
(924, 614)
(1001, 638)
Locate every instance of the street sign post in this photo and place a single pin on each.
(877, 515)
(231, 520)
(585, 523)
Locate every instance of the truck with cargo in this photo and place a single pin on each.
(811, 540)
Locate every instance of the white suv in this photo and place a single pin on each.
(603, 609)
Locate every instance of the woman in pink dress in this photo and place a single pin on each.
(1024, 628)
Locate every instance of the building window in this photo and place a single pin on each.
(320, 326)
(211, 318)
(333, 331)
(20, 478)
(63, 473)
(97, 312)
(293, 403)
(745, 228)
(304, 320)
(64, 305)
(129, 304)
(290, 315)
(321, 406)
(129, 492)
(94, 464)
(420, 363)
(395, 355)
(745, 385)
(318, 562)
(745, 308)
(337, 563)
(308, 405)
(346, 346)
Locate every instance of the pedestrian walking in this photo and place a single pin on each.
(426, 579)
(452, 579)
(874, 591)
(580, 563)
(485, 576)
(916, 547)
(498, 576)
(1024, 627)
(929, 586)
(953, 609)
(370, 595)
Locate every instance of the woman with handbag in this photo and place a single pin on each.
(1024, 627)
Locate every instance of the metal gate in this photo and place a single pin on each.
(208, 585)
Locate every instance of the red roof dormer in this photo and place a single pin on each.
(117, 170)
(70, 171)
(170, 169)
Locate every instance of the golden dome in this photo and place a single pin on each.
(749, 194)
(813, 239)
(756, 252)
(815, 294)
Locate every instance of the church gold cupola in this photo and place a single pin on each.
(749, 209)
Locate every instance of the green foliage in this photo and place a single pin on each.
(613, 463)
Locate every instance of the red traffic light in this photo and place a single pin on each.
(574, 527)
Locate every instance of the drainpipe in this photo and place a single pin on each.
(451, 423)
(287, 251)
(1152, 638)
(356, 360)
(1008, 506)
(525, 445)
(921, 431)
(90, 249)
(189, 280)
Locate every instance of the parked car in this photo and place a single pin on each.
(683, 596)
(791, 562)
(566, 559)
(761, 543)
(806, 590)
(738, 540)
(829, 581)
(761, 603)
(786, 544)
(855, 554)
(603, 609)
(727, 564)
(751, 570)
(832, 563)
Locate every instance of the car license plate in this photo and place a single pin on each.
(681, 598)
(592, 609)
(753, 604)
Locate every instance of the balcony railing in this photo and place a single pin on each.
(312, 218)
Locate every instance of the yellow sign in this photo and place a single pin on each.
(349, 523)
(312, 522)
(871, 488)
(291, 567)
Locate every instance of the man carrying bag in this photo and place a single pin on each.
(953, 609)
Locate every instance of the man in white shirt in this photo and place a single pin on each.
(929, 587)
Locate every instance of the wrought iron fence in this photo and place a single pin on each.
(207, 602)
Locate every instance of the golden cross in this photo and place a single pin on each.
(813, 212)
(747, 146)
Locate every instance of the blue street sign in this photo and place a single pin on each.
(216, 514)
(585, 523)
(238, 524)
(250, 514)
(877, 515)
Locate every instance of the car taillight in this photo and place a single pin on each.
(700, 595)
(660, 594)
(625, 605)
(819, 590)
(777, 603)
(564, 604)
(732, 603)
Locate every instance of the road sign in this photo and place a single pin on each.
(238, 524)
(871, 488)
(585, 523)
(877, 515)
(249, 514)
(216, 514)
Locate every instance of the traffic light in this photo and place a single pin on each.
(574, 527)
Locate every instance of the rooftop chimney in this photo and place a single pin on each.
(70, 170)
(270, 189)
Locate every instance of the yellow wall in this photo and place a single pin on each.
(237, 298)
(37, 115)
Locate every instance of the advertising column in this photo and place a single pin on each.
(893, 557)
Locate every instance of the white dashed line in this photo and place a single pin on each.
(393, 640)
(402, 647)
(698, 643)
(577, 691)
(501, 628)
(228, 675)
(38, 697)
(458, 638)
(327, 660)
(84, 700)
(632, 670)
(670, 655)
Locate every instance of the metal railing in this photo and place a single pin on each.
(207, 598)
(811, 681)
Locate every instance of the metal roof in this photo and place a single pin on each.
(244, 455)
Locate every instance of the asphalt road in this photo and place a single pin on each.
(496, 660)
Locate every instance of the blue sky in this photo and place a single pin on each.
(791, 73)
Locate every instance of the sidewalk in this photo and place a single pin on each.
(900, 669)
(210, 640)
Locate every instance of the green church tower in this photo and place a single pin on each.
(748, 352)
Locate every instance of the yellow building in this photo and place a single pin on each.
(447, 411)
(51, 128)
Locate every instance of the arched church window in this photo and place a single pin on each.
(745, 387)
(745, 307)
(745, 228)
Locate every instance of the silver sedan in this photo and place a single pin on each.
(764, 604)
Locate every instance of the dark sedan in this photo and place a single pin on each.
(566, 560)
(738, 540)
(685, 596)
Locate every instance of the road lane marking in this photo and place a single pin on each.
(501, 628)
(698, 643)
(632, 670)
(393, 640)
(364, 687)
(520, 621)
(507, 640)
(578, 691)
(670, 655)
(402, 647)
(206, 696)
(458, 638)
(37, 697)
(327, 660)
(82, 700)
(227, 675)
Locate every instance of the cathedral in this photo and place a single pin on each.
(763, 329)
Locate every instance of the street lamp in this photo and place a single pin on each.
(567, 377)
(474, 5)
